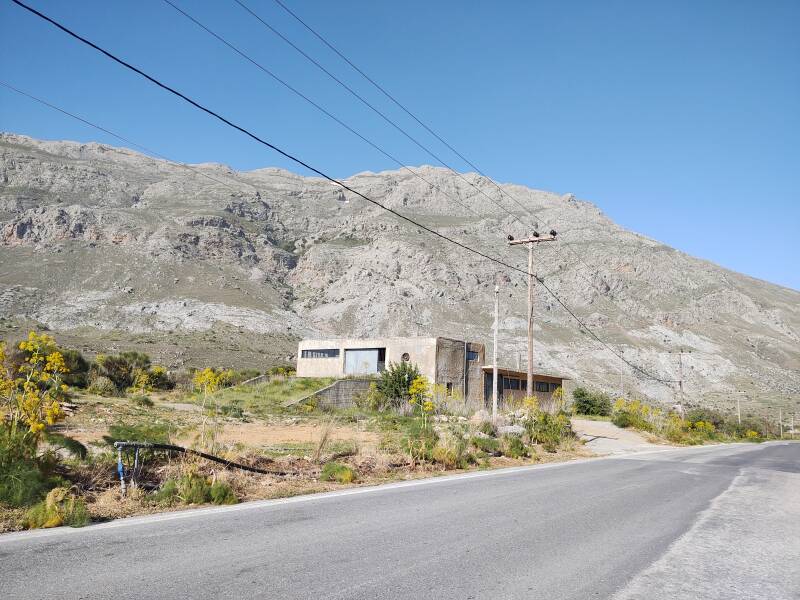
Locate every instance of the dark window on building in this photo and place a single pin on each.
(322, 353)
(510, 383)
(554, 386)
(542, 386)
(449, 387)
(472, 355)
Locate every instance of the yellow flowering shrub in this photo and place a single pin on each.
(34, 396)
(419, 391)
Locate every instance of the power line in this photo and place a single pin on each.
(316, 105)
(362, 137)
(259, 139)
(324, 175)
(427, 128)
(117, 136)
(373, 108)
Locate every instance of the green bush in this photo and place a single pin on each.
(59, 508)
(486, 444)
(282, 370)
(78, 368)
(587, 402)
(451, 452)
(24, 478)
(193, 488)
(222, 493)
(623, 419)
(395, 382)
(160, 379)
(233, 410)
(372, 399)
(549, 430)
(168, 492)
(102, 386)
(142, 400)
(243, 375)
(334, 471)
(154, 432)
(69, 444)
(636, 414)
(121, 368)
(706, 415)
(488, 428)
(419, 440)
(513, 447)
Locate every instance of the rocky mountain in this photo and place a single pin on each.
(200, 264)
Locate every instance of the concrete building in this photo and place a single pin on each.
(459, 366)
(452, 363)
(512, 385)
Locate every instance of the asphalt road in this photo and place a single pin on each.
(714, 522)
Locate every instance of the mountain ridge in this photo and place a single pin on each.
(272, 253)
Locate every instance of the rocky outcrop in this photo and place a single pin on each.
(105, 239)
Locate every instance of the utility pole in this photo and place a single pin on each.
(494, 351)
(780, 419)
(739, 408)
(532, 240)
(680, 372)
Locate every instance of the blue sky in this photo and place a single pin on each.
(680, 119)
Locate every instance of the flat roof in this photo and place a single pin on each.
(522, 374)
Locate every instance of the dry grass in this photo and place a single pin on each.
(292, 446)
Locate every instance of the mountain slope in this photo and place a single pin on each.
(205, 265)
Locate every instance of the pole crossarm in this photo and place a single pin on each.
(532, 240)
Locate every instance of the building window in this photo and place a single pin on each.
(510, 383)
(542, 386)
(449, 387)
(472, 355)
(554, 386)
(322, 353)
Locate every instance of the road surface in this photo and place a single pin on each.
(712, 522)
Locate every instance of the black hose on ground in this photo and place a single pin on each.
(211, 457)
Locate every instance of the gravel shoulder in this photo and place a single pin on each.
(604, 438)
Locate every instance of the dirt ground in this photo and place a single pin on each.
(268, 434)
(603, 437)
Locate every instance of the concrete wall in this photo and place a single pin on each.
(342, 393)
(421, 352)
(475, 376)
(452, 366)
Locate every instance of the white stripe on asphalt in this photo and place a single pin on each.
(255, 504)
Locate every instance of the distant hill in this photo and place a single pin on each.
(112, 249)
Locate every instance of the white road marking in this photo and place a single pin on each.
(256, 504)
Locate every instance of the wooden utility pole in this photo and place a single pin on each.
(534, 238)
(739, 408)
(780, 419)
(494, 352)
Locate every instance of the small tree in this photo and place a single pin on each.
(395, 382)
(208, 381)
